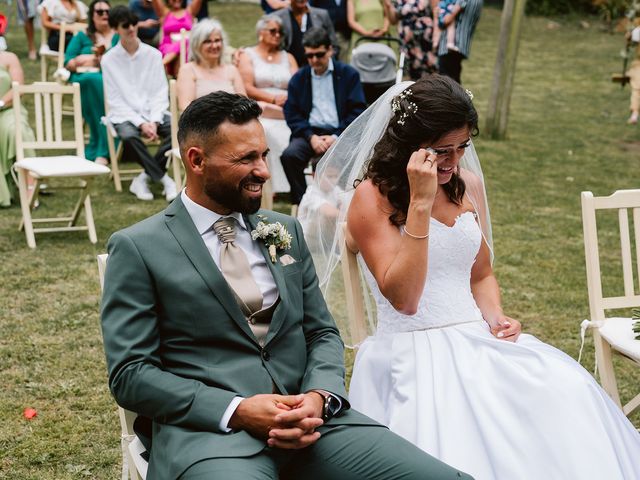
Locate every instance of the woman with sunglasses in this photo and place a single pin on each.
(266, 69)
(82, 59)
(209, 69)
(174, 18)
(55, 12)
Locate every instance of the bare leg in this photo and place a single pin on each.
(28, 30)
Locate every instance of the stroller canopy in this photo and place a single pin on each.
(375, 62)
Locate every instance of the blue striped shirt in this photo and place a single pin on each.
(466, 22)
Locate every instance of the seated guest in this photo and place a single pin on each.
(266, 70)
(55, 12)
(296, 20)
(137, 95)
(173, 19)
(207, 71)
(148, 23)
(337, 10)
(10, 71)
(324, 98)
(85, 52)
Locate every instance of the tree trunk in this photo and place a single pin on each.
(504, 70)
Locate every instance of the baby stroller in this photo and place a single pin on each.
(376, 63)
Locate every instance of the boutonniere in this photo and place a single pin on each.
(275, 236)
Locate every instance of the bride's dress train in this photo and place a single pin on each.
(494, 409)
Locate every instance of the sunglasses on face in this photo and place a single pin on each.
(100, 11)
(317, 55)
(128, 24)
(274, 31)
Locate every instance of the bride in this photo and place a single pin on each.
(446, 368)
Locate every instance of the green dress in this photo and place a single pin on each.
(369, 14)
(8, 140)
(91, 95)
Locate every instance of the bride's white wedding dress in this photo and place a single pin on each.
(491, 408)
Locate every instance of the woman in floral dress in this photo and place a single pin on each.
(415, 29)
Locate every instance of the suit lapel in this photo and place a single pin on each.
(181, 226)
(278, 276)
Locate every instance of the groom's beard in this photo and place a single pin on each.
(234, 198)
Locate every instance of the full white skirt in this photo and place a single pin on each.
(494, 409)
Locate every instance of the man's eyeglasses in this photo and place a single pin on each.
(126, 25)
(274, 31)
(317, 55)
(100, 11)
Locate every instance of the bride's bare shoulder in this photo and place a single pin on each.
(368, 199)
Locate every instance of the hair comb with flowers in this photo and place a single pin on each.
(396, 106)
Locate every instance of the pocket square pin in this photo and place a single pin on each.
(287, 259)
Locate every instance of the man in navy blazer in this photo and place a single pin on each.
(324, 97)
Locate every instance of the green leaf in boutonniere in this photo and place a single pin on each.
(275, 236)
(635, 314)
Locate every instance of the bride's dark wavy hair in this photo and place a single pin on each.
(436, 106)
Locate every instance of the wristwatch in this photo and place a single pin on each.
(331, 406)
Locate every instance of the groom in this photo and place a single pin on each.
(227, 351)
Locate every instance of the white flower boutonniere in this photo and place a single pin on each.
(275, 236)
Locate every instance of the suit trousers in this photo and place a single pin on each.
(343, 452)
(130, 135)
(295, 159)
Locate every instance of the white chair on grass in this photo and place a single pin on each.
(612, 334)
(174, 154)
(50, 57)
(133, 465)
(50, 135)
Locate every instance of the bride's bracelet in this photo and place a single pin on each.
(417, 237)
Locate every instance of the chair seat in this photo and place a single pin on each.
(61, 166)
(46, 51)
(619, 333)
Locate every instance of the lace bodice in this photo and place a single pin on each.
(447, 297)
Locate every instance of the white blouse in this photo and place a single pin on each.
(58, 12)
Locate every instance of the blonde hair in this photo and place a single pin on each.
(200, 32)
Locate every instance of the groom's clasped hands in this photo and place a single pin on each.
(285, 421)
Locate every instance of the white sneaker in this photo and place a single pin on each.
(140, 188)
(170, 192)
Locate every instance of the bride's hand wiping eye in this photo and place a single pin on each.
(422, 173)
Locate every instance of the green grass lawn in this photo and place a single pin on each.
(567, 134)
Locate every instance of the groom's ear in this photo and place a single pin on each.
(195, 159)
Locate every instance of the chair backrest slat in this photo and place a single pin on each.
(48, 117)
(57, 117)
(620, 201)
(37, 100)
(625, 247)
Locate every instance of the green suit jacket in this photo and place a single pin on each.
(179, 348)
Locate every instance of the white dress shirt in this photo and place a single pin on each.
(324, 112)
(135, 85)
(203, 219)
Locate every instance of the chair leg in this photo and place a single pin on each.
(79, 204)
(605, 367)
(43, 68)
(25, 205)
(93, 237)
(177, 171)
(115, 168)
(267, 196)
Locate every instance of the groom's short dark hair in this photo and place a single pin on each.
(204, 115)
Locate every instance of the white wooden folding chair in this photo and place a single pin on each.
(50, 57)
(612, 334)
(133, 465)
(71, 28)
(48, 98)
